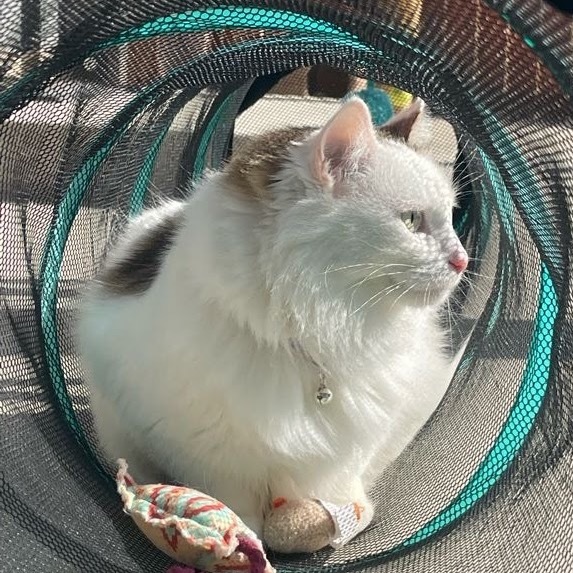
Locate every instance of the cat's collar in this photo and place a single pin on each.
(323, 393)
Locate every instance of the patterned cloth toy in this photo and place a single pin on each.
(191, 527)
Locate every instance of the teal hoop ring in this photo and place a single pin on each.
(536, 375)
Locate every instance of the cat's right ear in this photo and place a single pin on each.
(343, 144)
(400, 126)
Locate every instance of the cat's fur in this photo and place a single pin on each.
(192, 368)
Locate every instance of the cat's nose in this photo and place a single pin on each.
(459, 260)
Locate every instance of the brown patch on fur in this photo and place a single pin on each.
(135, 271)
(253, 167)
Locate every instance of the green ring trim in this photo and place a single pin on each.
(504, 206)
(520, 420)
(53, 254)
(526, 185)
(199, 165)
(233, 18)
(536, 377)
(140, 187)
(225, 19)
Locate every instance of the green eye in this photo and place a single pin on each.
(412, 220)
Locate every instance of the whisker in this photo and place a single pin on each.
(360, 283)
(346, 267)
(480, 275)
(468, 178)
(362, 265)
(383, 294)
(383, 291)
(467, 142)
(476, 289)
(471, 157)
(449, 313)
(373, 276)
(402, 295)
(356, 267)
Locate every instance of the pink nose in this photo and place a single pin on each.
(459, 261)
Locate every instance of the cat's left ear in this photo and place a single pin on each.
(344, 143)
(400, 126)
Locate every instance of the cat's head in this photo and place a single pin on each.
(360, 216)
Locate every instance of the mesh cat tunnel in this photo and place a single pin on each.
(107, 105)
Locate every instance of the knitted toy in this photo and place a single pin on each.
(202, 533)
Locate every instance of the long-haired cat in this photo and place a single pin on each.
(277, 335)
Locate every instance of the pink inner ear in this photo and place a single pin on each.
(347, 138)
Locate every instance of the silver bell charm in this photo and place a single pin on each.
(323, 393)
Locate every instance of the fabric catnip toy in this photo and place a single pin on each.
(192, 528)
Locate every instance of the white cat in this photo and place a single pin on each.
(312, 256)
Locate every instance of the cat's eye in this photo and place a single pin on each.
(412, 220)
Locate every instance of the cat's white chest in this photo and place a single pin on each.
(309, 414)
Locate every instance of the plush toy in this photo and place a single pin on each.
(192, 528)
(204, 534)
(308, 525)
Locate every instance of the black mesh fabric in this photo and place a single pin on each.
(106, 106)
